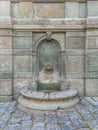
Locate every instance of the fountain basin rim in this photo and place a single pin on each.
(69, 93)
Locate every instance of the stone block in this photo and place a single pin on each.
(82, 10)
(22, 51)
(5, 87)
(5, 51)
(75, 42)
(93, 32)
(5, 7)
(76, 83)
(74, 64)
(91, 87)
(6, 75)
(23, 63)
(76, 33)
(22, 42)
(75, 52)
(49, 10)
(22, 33)
(92, 8)
(22, 10)
(71, 10)
(5, 32)
(5, 43)
(92, 63)
(5, 98)
(20, 83)
(22, 75)
(5, 63)
(92, 42)
(92, 52)
(74, 75)
(91, 75)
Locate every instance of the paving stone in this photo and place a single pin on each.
(52, 127)
(15, 120)
(12, 127)
(78, 118)
(26, 117)
(63, 119)
(38, 118)
(79, 123)
(38, 126)
(26, 123)
(66, 127)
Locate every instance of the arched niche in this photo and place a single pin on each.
(48, 66)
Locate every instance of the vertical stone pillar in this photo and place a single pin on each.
(34, 69)
(62, 68)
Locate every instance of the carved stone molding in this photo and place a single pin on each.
(48, 1)
(48, 35)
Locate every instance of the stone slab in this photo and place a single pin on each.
(71, 10)
(82, 10)
(5, 87)
(20, 83)
(91, 87)
(75, 42)
(23, 63)
(5, 43)
(74, 64)
(5, 63)
(49, 10)
(92, 42)
(76, 83)
(22, 42)
(22, 10)
(92, 8)
(92, 63)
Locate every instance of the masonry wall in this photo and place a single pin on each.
(23, 22)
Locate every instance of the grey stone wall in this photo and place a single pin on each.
(22, 22)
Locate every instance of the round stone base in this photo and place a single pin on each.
(34, 100)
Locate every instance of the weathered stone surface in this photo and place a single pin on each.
(92, 42)
(75, 42)
(21, 51)
(48, 10)
(22, 10)
(5, 8)
(91, 75)
(74, 75)
(5, 87)
(5, 43)
(92, 8)
(71, 10)
(92, 63)
(93, 32)
(5, 32)
(91, 87)
(82, 10)
(20, 83)
(5, 63)
(74, 63)
(23, 75)
(76, 33)
(6, 75)
(22, 33)
(22, 42)
(76, 83)
(22, 63)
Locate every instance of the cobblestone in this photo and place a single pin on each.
(83, 116)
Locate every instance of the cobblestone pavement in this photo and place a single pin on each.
(83, 116)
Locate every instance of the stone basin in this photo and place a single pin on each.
(30, 100)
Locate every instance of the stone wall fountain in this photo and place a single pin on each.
(49, 90)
